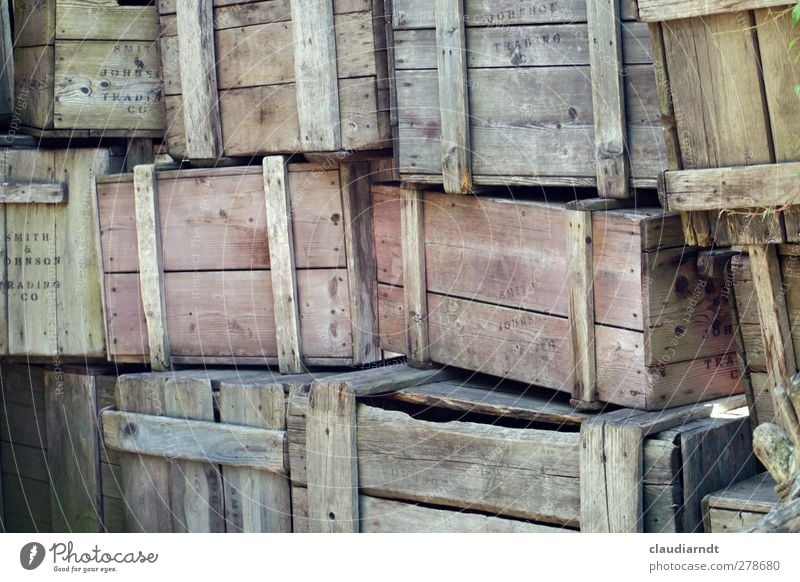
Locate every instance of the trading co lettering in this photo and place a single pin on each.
(511, 45)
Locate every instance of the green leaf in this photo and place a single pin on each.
(796, 14)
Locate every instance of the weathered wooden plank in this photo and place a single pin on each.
(198, 72)
(237, 446)
(7, 80)
(658, 10)
(608, 100)
(580, 279)
(775, 324)
(151, 265)
(282, 265)
(73, 458)
(34, 79)
(611, 461)
(92, 91)
(332, 455)
(513, 472)
(32, 193)
(196, 494)
(109, 21)
(27, 504)
(412, 226)
(359, 243)
(316, 80)
(714, 454)
(255, 501)
(766, 185)
(453, 96)
(385, 516)
(756, 494)
(145, 480)
(35, 23)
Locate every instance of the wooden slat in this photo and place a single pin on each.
(453, 96)
(145, 479)
(414, 280)
(332, 458)
(658, 10)
(282, 264)
(198, 72)
(32, 193)
(255, 501)
(316, 79)
(608, 98)
(361, 268)
(196, 495)
(756, 494)
(775, 325)
(763, 185)
(151, 265)
(611, 462)
(238, 446)
(580, 280)
(73, 457)
(108, 20)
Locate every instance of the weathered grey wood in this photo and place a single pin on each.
(33, 193)
(145, 479)
(238, 446)
(611, 462)
(764, 185)
(775, 325)
(580, 281)
(385, 516)
(255, 501)
(414, 278)
(390, 378)
(316, 80)
(73, 458)
(196, 495)
(6, 87)
(332, 458)
(453, 96)
(140, 151)
(659, 10)
(359, 243)
(756, 495)
(151, 264)
(282, 264)
(608, 98)
(201, 119)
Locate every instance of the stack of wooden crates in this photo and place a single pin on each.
(464, 184)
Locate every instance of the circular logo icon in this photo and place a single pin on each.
(31, 555)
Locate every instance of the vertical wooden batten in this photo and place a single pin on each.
(453, 96)
(282, 265)
(608, 98)
(201, 118)
(316, 78)
(151, 264)
(415, 285)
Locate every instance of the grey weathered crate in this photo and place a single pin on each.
(741, 505)
(438, 453)
(50, 300)
(88, 68)
(252, 77)
(223, 429)
(499, 92)
(56, 475)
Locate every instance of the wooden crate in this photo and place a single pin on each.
(51, 293)
(203, 450)
(727, 78)
(516, 288)
(88, 68)
(740, 505)
(228, 278)
(56, 474)
(767, 368)
(492, 92)
(274, 77)
(440, 453)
